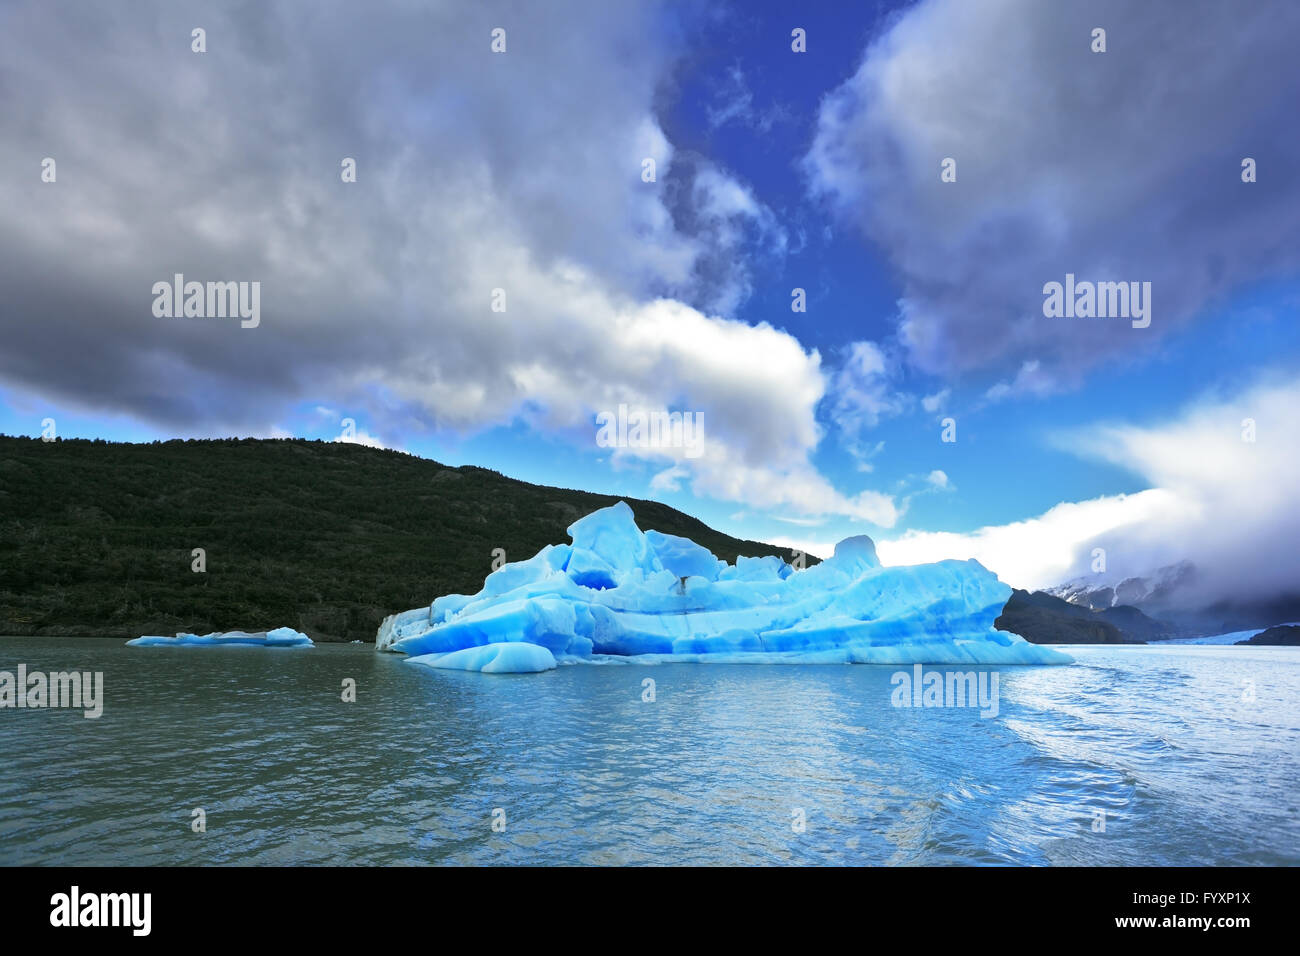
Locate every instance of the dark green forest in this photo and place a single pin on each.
(96, 538)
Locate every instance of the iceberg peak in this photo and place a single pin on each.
(608, 541)
(856, 551)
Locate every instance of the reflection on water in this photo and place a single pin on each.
(1187, 755)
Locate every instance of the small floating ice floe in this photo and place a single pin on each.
(280, 637)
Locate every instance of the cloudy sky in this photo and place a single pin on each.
(775, 170)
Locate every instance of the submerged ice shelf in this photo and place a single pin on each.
(616, 592)
(506, 657)
(280, 637)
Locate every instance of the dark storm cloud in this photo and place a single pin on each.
(1123, 165)
(475, 171)
(225, 165)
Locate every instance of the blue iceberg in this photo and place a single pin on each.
(617, 593)
(280, 637)
(509, 657)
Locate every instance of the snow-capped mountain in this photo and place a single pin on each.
(1149, 592)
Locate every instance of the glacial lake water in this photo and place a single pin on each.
(1134, 755)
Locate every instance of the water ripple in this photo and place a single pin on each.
(1152, 755)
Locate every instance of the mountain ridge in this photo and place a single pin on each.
(1044, 618)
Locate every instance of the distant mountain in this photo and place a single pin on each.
(1284, 635)
(1242, 615)
(1157, 589)
(1174, 598)
(1137, 626)
(1046, 619)
(97, 538)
